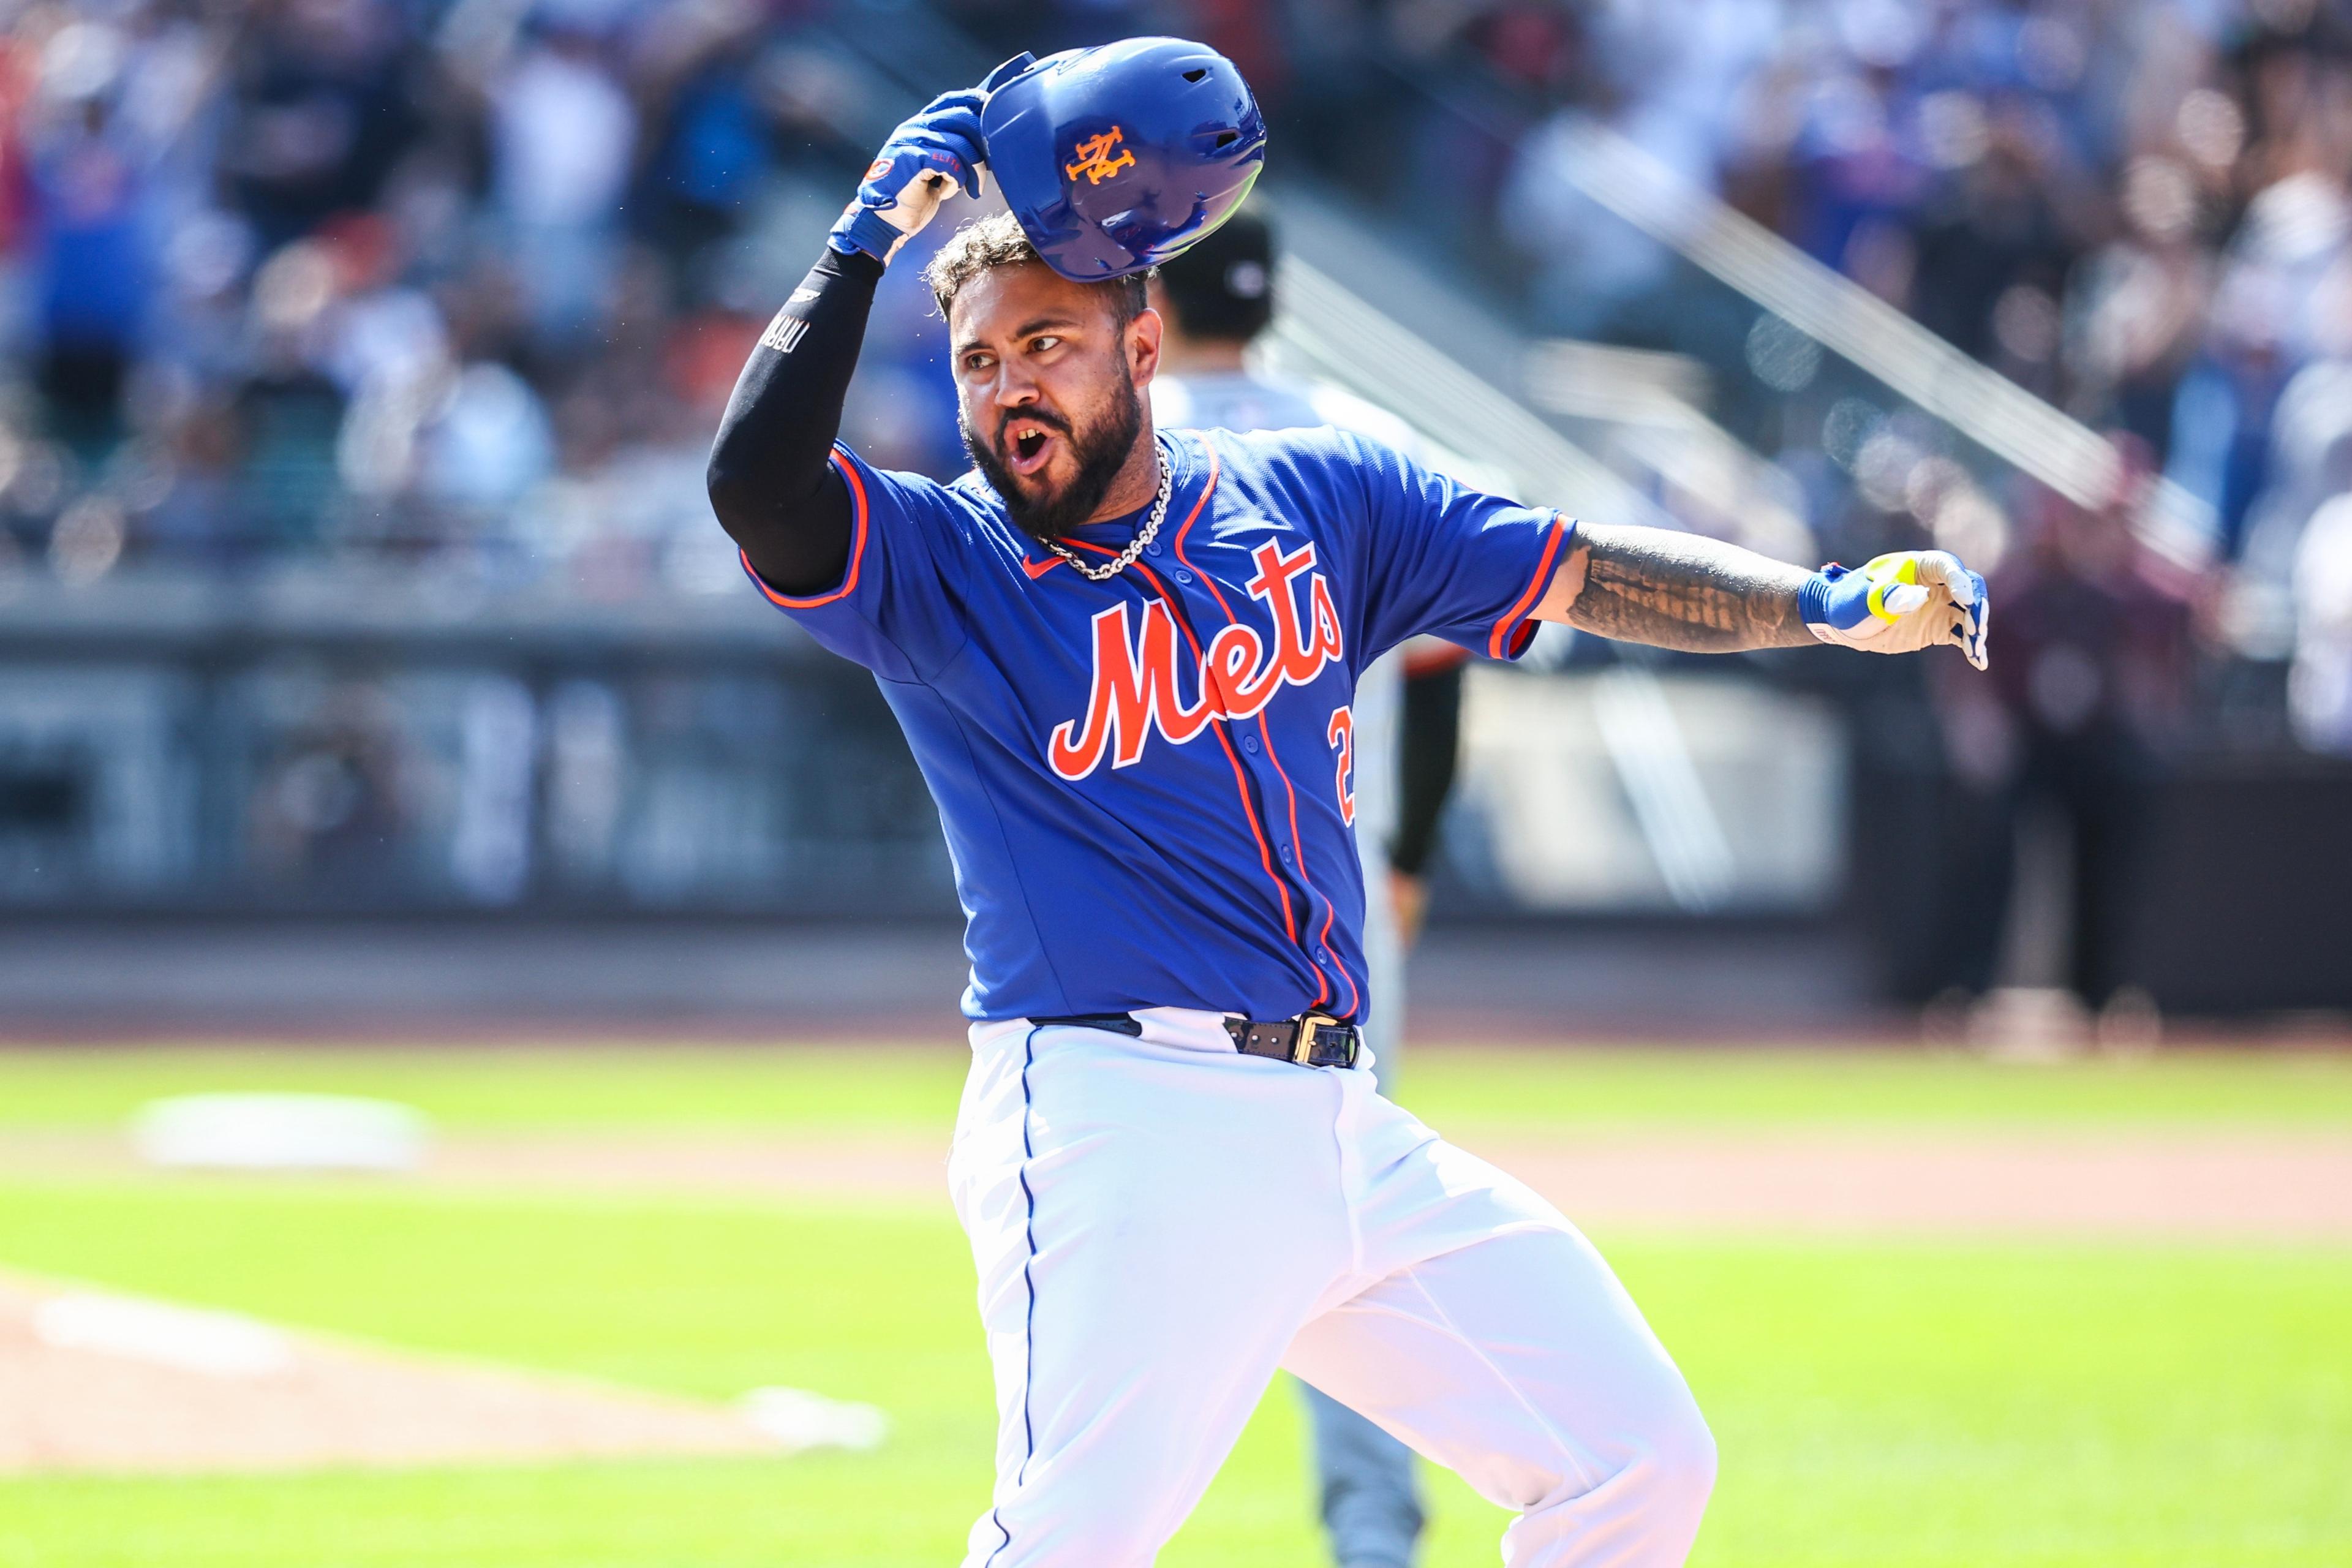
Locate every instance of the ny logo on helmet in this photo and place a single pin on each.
(1095, 161)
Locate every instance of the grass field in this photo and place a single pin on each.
(1913, 1401)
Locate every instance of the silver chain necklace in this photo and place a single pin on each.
(1144, 536)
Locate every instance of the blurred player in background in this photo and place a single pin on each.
(1216, 299)
(2076, 725)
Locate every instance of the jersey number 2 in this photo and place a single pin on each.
(1342, 736)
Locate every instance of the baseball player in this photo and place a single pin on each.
(1125, 659)
(1213, 300)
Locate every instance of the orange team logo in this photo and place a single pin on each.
(1135, 689)
(1095, 161)
(876, 169)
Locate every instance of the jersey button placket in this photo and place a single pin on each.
(1249, 745)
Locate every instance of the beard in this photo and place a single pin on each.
(1100, 450)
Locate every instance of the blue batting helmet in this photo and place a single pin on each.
(1115, 158)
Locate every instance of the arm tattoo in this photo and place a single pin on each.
(1685, 591)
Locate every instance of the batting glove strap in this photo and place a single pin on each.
(862, 228)
(1813, 599)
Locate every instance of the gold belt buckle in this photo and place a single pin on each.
(1302, 1049)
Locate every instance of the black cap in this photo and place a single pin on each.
(1223, 288)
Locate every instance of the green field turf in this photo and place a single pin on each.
(1876, 1404)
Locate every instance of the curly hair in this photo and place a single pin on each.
(996, 240)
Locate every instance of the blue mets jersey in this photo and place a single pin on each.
(1146, 783)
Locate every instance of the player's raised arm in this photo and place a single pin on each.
(1685, 591)
(771, 480)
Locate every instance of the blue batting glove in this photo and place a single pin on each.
(920, 166)
(1900, 602)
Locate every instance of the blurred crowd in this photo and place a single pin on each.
(457, 287)
(2137, 209)
(2133, 208)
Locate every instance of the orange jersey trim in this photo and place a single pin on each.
(856, 547)
(1322, 981)
(1506, 641)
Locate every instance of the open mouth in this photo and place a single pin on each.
(1028, 446)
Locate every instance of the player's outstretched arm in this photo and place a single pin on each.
(1685, 591)
(1675, 589)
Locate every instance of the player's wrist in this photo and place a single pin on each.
(863, 231)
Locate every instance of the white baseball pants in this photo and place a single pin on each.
(1160, 1224)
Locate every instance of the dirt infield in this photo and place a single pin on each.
(2145, 1185)
(2268, 1187)
(2276, 1188)
(94, 1382)
(2151, 1185)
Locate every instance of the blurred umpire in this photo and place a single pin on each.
(1216, 298)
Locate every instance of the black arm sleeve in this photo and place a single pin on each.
(1431, 735)
(770, 481)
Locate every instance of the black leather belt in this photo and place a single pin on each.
(1311, 1039)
